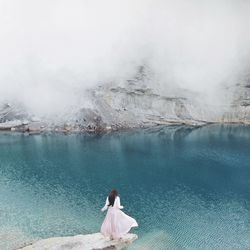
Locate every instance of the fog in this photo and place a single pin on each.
(53, 51)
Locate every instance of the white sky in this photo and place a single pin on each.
(52, 49)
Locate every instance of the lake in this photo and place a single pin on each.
(188, 188)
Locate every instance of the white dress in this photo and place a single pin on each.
(116, 223)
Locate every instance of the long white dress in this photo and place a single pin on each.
(116, 223)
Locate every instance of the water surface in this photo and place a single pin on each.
(188, 188)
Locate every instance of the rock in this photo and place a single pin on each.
(134, 103)
(25, 122)
(10, 124)
(82, 242)
(36, 126)
(35, 119)
(108, 128)
(10, 112)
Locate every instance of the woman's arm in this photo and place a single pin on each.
(118, 203)
(106, 205)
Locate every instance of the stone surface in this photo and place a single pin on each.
(134, 103)
(10, 124)
(82, 242)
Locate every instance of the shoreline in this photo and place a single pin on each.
(37, 128)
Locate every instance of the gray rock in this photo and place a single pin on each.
(134, 103)
(10, 124)
(9, 112)
(82, 242)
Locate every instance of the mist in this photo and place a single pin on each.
(53, 51)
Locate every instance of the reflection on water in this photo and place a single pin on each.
(187, 187)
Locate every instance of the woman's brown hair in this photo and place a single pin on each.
(112, 197)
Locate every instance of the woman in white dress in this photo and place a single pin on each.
(116, 223)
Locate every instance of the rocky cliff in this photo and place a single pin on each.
(133, 103)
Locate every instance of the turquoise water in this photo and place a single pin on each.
(188, 188)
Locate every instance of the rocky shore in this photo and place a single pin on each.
(82, 242)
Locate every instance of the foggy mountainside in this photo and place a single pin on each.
(102, 65)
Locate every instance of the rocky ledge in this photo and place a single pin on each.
(94, 241)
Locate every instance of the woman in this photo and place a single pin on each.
(116, 223)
